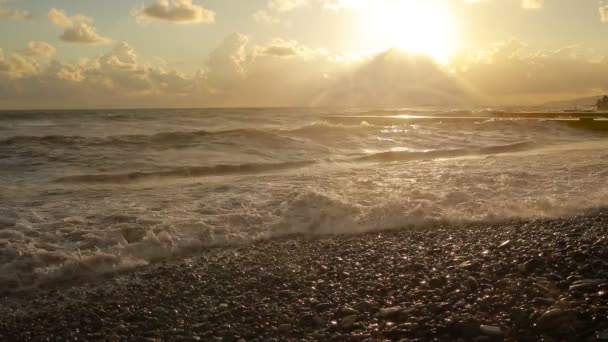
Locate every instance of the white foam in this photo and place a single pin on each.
(82, 231)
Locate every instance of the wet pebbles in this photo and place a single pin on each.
(538, 280)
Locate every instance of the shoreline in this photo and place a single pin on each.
(513, 281)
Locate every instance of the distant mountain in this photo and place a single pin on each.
(580, 103)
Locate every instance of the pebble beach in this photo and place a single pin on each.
(531, 280)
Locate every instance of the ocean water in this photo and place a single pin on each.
(87, 192)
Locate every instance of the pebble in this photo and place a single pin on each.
(551, 319)
(323, 307)
(587, 284)
(293, 289)
(489, 330)
(348, 311)
(348, 321)
(6, 222)
(388, 312)
(284, 328)
(364, 306)
(504, 244)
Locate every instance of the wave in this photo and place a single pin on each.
(179, 139)
(256, 168)
(159, 140)
(331, 128)
(185, 172)
(449, 153)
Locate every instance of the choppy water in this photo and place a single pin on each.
(94, 191)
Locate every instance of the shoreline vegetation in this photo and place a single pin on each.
(529, 280)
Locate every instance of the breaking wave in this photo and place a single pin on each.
(341, 127)
(450, 153)
(256, 168)
(184, 172)
(62, 218)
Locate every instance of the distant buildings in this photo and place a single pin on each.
(602, 104)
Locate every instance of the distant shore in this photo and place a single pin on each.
(513, 281)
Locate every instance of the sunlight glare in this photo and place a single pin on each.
(424, 27)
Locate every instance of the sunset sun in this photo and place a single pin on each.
(413, 26)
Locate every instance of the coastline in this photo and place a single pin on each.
(514, 281)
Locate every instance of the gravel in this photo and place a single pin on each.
(534, 280)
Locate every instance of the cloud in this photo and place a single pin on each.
(265, 17)
(39, 49)
(512, 73)
(117, 78)
(225, 63)
(16, 66)
(604, 13)
(61, 18)
(286, 5)
(280, 48)
(77, 28)
(526, 4)
(176, 11)
(83, 33)
(11, 13)
(286, 73)
(270, 14)
(393, 79)
(532, 4)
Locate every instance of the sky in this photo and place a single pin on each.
(250, 53)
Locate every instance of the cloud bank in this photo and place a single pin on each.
(286, 73)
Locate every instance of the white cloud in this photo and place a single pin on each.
(176, 11)
(39, 49)
(532, 4)
(77, 28)
(604, 13)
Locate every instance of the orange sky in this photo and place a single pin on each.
(192, 53)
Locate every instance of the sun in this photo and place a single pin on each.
(416, 26)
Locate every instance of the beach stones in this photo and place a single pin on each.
(293, 289)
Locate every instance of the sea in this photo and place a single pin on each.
(86, 192)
